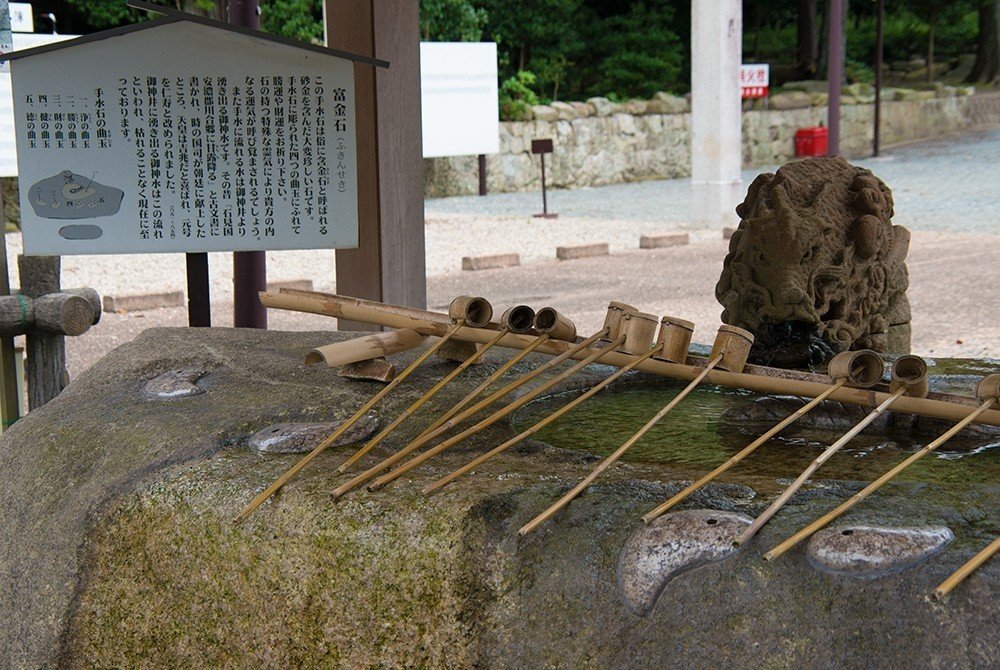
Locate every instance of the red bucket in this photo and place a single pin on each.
(811, 141)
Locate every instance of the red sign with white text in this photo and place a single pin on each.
(754, 80)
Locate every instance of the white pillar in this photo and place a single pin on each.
(716, 131)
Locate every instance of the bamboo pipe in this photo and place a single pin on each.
(967, 569)
(365, 348)
(749, 449)
(490, 420)
(427, 436)
(752, 529)
(763, 380)
(610, 460)
(476, 462)
(343, 428)
(860, 368)
(988, 391)
(418, 403)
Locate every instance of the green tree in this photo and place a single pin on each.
(451, 21)
(640, 55)
(987, 66)
(297, 19)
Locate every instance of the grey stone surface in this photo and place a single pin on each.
(669, 545)
(300, 438)
(118, 547)
(871, 551)
(174, 384)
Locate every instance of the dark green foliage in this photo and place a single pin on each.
(296, 19)
(516, 95)
(451, 21)
(641, 54)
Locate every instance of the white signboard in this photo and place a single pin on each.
(183, 137)
(754, 80)
(458, 98)
(8, 152)
(21, 19)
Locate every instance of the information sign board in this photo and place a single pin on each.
(754, 80)
(21, 18)
(184, 137)
(458, 98)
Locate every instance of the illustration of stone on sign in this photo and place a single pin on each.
(71, 196)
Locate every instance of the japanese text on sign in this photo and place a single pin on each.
(222, 150)
(754, 80)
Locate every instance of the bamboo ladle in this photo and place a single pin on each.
(860, 369)
(957, 577)
(675, 335)
(507, 410)
(429, 435)
(344, 427)
(732, 345)
(988, 391)
(516, 319)
(909, 376)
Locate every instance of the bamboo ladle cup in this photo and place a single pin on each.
(493, 418)
(344, 427)
(732, 345)
(988, 391)
(860, 369)
(522, 317)
(909, 376)
(957, 577)
(429, 435)
(678, 345)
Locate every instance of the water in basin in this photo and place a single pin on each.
(695, 437)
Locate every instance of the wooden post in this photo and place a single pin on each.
(9, 412)
(46, 363)
(388, 264)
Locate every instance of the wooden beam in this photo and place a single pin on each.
(389, 264)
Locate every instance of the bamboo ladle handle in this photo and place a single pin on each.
(875, 485)
(418, 403)
(493, 418)
(749, 449)
(476, 462)
(967, 569)
(609, 461)
(344, 427)
(766, 515)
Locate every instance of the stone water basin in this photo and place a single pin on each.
(714, 423)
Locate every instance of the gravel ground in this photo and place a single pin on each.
(945, 191)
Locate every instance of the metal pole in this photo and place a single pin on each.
(199, 304)
(545, 202)
(834, 72)
(878, 77)
(482, 174)
(9, 408)
(249, 267)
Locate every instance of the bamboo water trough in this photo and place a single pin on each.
(760, 379)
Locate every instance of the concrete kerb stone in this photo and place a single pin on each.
(583, 251)
(661, 241)
(473, 263)
(144, 301)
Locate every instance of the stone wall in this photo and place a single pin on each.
(628, 143)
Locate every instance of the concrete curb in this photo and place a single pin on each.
(473, 263)
(144, 301)
(582, 251)
(662, 241)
